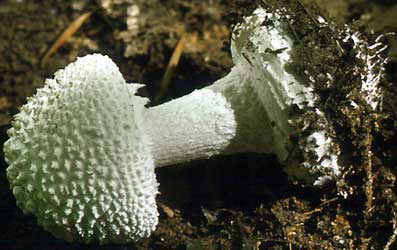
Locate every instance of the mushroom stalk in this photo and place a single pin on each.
(225, 118)
(258, 107)
(197, 126)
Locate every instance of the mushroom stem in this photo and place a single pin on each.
(225, 118)
(196, 126)
(258, 107)
(252, 109)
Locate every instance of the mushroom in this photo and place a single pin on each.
(83, 150)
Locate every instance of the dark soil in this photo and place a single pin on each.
(235, 202)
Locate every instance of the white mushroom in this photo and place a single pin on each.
(82, 151)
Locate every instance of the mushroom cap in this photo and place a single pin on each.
(78, 158)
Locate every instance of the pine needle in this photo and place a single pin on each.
(392, 238)
(174, 60)
(68, 33)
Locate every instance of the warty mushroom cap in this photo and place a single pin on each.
(78, 161)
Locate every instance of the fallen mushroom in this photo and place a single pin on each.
(82, 151)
